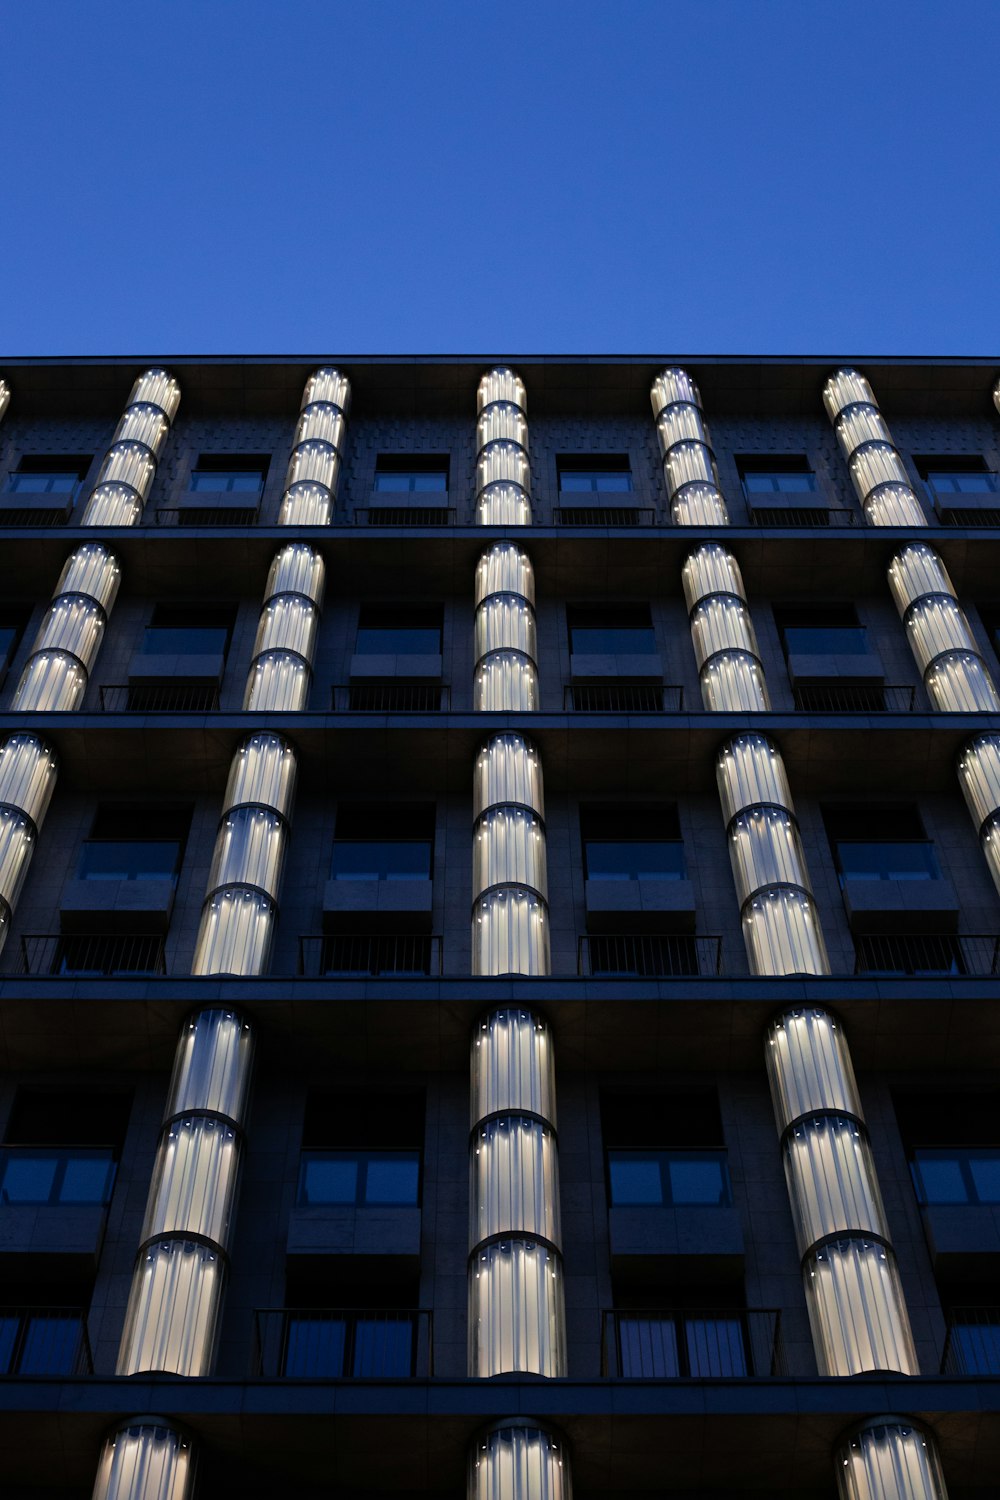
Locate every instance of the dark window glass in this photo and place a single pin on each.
(674, 1345)
(956, 474)
(361, 1177)
(776, 474)
(632, 843)
(821, 630)
(230, 472)
(12, 624)
(957, 1174)
(40, 1342)
(605, 474)
(48, 474)
(599, 631)
(404, 473)
(872, 842)
(135, 841)
(974, 1342)
(383, 841)
(412, 631)
(327, 1346)
(49, 1176)
(669, 1178)
(188, 632)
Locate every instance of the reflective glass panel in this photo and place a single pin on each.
(383, 1347)
(392, 1179)
(634, 1178)
(648, 1348)
(957, 1174)
(186, 640)
(215, 480)
(824, 641)
(326, 1178)
(634, 860)
(944, 482)
(910, 860)
(315, 1346)
(50, 1345)
(361, 859)
(55, 483)
(974, 1348)
(715, 1346)
(577, 481)
(129, 859)
(415, 482)
(763, 482)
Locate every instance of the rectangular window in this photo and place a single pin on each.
(326, 1346)
(42, 1341)
(408, 473)
(51, 1176)
(872, 842)
(664, 1149)
(182, 631)
(57, 475)
(229, 473)
(632, 843)
(952, 1141)
(406, 631)
(362, 1147)
(12, 623)
(681, 1345)
(771, 475)
(820, 630)
(594, 473)
(599, 630)
(949, 474)
(383, 841)
(61, 1146)
(669, 1178)
(135, 841)
(359, 1177)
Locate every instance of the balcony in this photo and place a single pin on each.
(972, 1343)
(915, 955)
(854, 698)
(44, 1341)
(390, 698)
(965, 497)
(648, 956)
(240, 513)
(343, 1343)
(406, 955)
(623, 698)
(667, 1344)
(404, 515)
(603, 515)
(97, 956)
(158, 698)
(801, 516)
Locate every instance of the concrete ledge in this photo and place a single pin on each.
(963, 1238)
(149, 667)
(640, 906)
(359, 1231)
(634, 664)
(372, 668)
(360, 905)
(690, 1242)
(901, 906)
(92, 906)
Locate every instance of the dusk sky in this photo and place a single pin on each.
(727, 176)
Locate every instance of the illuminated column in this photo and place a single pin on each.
(889, 1458)
(877, 471)
(516, 1318)
(996, 395)
(725, 646)
(781, 925)
(979, 778)
(237, 920)
(56, 673)
(518, 1460)
(503, 473)
(510, 920)
(506, 675)
(314, 467)
(129, 467)
(689, 470)
(147, 1458)
(954, 673)
(856, 1308)
(281, 669)
(4, 398)
(28, 769)
(177, 1288)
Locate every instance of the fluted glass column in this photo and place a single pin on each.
(516, 1318)
(177, 1288)
(506, 674)
(518, 1460)
(281, 668)
(129, 468)
(147, 1458)
(510, 923)
(689, 471)
(877, 471)
(314, 467)
(943, 646)
(28, 769)
(4, 398)
(725, 646)
(56, 673)
(889, 1458)
(237, 920)
(503, 471)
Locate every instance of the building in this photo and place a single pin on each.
(653, 760)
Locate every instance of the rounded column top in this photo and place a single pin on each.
(505, 569)
(158, 388)
(501, 384)
(846, 387)
(327, 384)
(262, 773)
(751, 772)
(669, 387)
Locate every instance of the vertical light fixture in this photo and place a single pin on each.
(689, 470)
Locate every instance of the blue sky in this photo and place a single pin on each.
(722, 176)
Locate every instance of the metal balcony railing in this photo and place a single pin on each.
(967, 515)
(343, 1343)
(679, 1344)
(404, 515)
(207, 515)
(91, 955)
(623, 698)
(919, 953)
(391, 697)
(44, 1341)
(857, 698)
(972, 1343)
(801, 516)
(43, 516)
(603, 515)
(369, 955)
(158, 698)
(648, 955)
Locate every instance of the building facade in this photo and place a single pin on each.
(500, 972)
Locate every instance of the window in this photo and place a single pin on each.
(134, 841)
(12, 623)
(632, 843)
(400, 474)
(228, 473)
(951, 474)
(362, 1148)
(599, 630)
(411, 631)
(594, 473)
(182, 631)
(49, 474)
(61, 1147)
(43, 1341)
(952, 1141)
(880, 843)
(665, 1149)
(383, 841)
(820, 630)
(770, 475)
(673, 1345)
